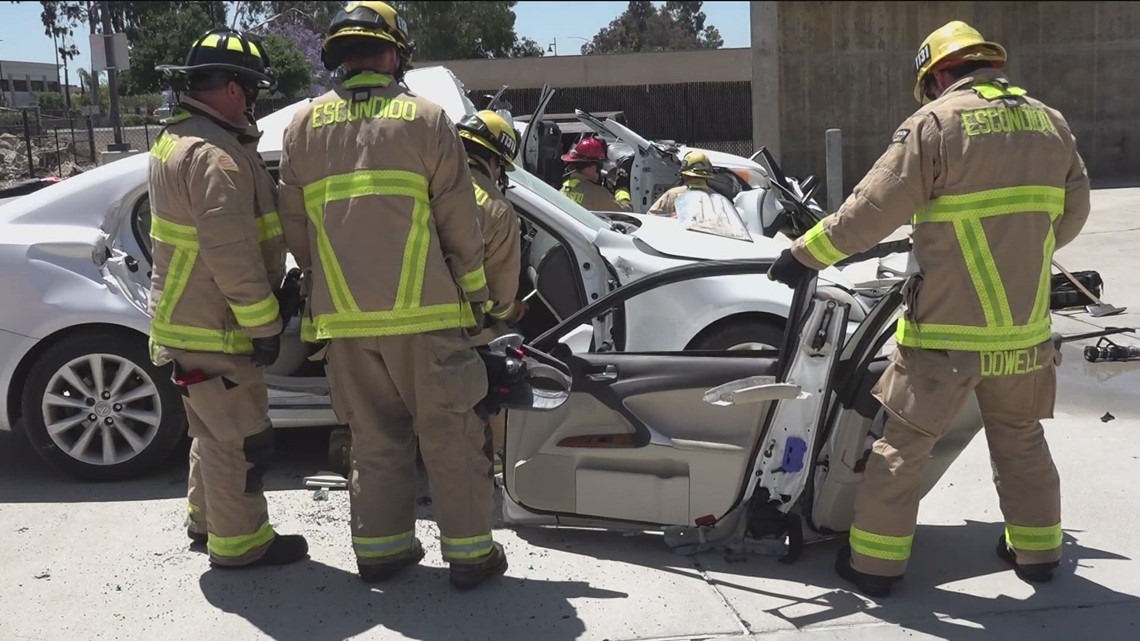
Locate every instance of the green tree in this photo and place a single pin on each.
(292, 68)
(168, 35)
(643, 27)
(441, 30)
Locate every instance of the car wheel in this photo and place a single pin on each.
(740, 334)
(96, 408)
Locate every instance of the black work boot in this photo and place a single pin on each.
(869, 584)
(285, 549)
(377, 572)
(1030, 573)
(197, 539)
(465, 576)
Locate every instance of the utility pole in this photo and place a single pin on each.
(112, 78)
(92, 17)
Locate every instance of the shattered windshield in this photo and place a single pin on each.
(710, 213)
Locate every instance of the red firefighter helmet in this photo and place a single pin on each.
(589, 150)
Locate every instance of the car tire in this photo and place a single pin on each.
(139, 416)
(740, 334)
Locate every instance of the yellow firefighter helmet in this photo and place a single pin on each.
(955, 40)
(696, 165)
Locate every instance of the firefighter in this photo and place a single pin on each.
(621, 182)
(378, 206)
(218, 254)
(695, 172)
(994, 183)
(492, 144)
(582, 182)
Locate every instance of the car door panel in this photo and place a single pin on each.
(636, 441)
(855, 420)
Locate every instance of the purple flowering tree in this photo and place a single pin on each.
(308, 43)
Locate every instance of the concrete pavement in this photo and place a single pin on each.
(110, 561)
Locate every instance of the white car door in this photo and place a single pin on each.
(673, 438)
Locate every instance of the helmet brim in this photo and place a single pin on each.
(361, 32)
(264, 81)
(468, 137)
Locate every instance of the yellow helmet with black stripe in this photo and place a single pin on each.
(492, 132)
(224, 49)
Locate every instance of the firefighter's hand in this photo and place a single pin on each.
(520, 309)
(478, 310)
(266, 350)
(788, 270)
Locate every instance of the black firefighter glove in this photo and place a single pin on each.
(289, 295)
(788, 270)
(266, 350)
(479, 311)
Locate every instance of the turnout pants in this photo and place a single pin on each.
(923, 391)
(228, 419)
(393, 392)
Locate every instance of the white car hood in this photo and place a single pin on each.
(666, 236)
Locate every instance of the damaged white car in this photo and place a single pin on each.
(74, 369)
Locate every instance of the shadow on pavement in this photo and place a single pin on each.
(27, 478)
(311, 601)
(925, 601)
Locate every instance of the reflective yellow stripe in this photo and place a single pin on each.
(197, 339)
(473, 281)
(621, 195)
(192, 509)
(372, 547)
(466, 549)
(269, 226)
(173, 234)
(481, 195)
(372, 183)
(990, 92)
(233, 44)
(502, 312)
(880, 546)
(410, 292)
(1033, 539)
(308, 330)
(972, 339)
(396, 322)
(211, 40)
(1045, 286)
(261, 313)
(367, 79)
(993, 202)
(819, 246)
(983, 272)
(184, 239)
(235, 546)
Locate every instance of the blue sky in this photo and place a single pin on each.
(22, 35)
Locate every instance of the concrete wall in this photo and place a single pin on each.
(849, 65)
(719, 65)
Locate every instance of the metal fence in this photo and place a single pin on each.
(34, 144)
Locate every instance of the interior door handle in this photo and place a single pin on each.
(608, 373)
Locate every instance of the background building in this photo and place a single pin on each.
(848, 65)
(19, 81)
